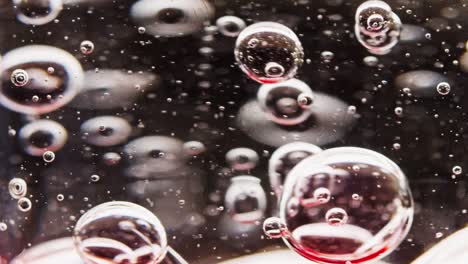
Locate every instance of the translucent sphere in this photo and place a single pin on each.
(280, 101)
(45, 91)
(120, 232)
(40, 136)
(105, 131)
(366, 213)
(377, 28)
(37, 12)
(17, 188)
(242, 159)
(269, 52)
(171, 18)
(284, 159)
(19, 77)
(230, 26)
(245, 199)
(86, 47)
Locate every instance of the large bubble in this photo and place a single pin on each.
(171, 18)
(46, 90)
(41, 136)
(37, 12)
(120, 232)
(344, 205)
(281, 103)
(269, 52)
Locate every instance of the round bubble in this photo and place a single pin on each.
(109, 89)
(45, 91)
(40, 136)
(280, 101)
(19, 77)
(242, 159)
(17, 188)
(86, 47)
(343, 229)
(377, 28)
(48, 156)
(24, 204)
(120, 232)
(230, 26)
(284, 159)
(194, 148)
(37, 12)
(105, 131)
(171, 18)
(269, 52)
(245, 199)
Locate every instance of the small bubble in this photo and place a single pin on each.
(396, 146)
(443, 88)
(95, 178)
(273, 227)
(273, 70)
(50, 70)
(60, 197)
(322, 195)
(305, 100)
(351, 109)
(439, 235)
(87, 47)
(355, 196)
(17, 188)
(3, 227)
(24, 204)
(48, 156)
(141, 30)
(457, 170)
(19, 77)
(398, 111)
(336, 216)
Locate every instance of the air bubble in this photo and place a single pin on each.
(194, 148)
(40, 136)
(95, 178)
(336, 216)
(230, 26)
(457, 170)
(34, 12)
(305, 100)
(48, 156)
(17, 188)
(60, 197)
(86, 47)
(24, 204)
(3, 227)
(269, 52)
(105, 131)
(443, 88)
(242, 159)
(274, 228)
(19, 77)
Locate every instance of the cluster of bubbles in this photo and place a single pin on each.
(18, 189)
(377, 27)
(269, 52)
(343, 205)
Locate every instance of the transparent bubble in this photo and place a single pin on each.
(120, 232)
(37, 12)
(3, 227)
(280, 101)
(60, 197)
(51, 90)
(141, 30)
(377, 28)
(24, 204)
(305, 100)
(230, 26)
(111, 158)
(457, 170)
(269, 52)
(443, 88)
(273, 227)
(19, 77)
(40, 136)
(86, 47)
(284, 159)
(194, 148)
(48, 156)
(17, 188)
(398, 111)
(242, 159)
(105, 131)
(171, 18)
(345, 229)
(245, 199)
(95, 178)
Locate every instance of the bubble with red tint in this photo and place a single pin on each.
(321, 218)
(269, 52)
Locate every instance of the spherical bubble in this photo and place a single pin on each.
(19, 77)
(111, 158)
(106, 131)
(457, 170)
(377, 27)
(3, 227)
(120, 232)
(242, 159)
(245, 199)
(194, 148)
(305, 100)
(171, 18)
(48, 156)
(343, 229)
(37, 12)
(51, 90)
(17, 188)
(40, 136)
(230, 26)
(269, 52)
(86, 47)
(443, 88)
(24, 204)
(280, 101)
(273, 227)
(284, 159)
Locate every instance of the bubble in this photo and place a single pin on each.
(120, 232)
(273, 227)
(105, 131)
(95, 178)
(230, 26)
(194, 148)
(37, 12)
(111, 158)
(141, 30)
(457, 170)
(40, 136)
(371, 61)
(284, 159)
(52, 91)
(242, 159)
(443, 88)
(86, 47)
(24, 204)
(377, 27)
(305, 100)
(60, 197)
(280, 101)
(19, 77)
(17, 188)
(48, 156)
(3, 227)
(351, 109)
(171, 18)
(327, 55)
(344, 228)
(269, 52)
(245, 199)
(398, 111)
